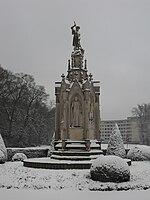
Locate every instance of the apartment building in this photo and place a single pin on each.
(128, 128)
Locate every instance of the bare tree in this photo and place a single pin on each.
(142, 112)
(24, 112)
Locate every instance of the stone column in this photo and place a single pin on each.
(86, 108)
(65, 111)
(97, 118)
(57, 119)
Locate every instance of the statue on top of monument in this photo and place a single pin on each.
(76, 36)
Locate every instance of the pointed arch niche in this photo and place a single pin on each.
(76, 113)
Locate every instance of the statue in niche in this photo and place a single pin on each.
(76, 113)
(76, 36)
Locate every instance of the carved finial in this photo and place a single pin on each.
(90, 77)
(63, 77)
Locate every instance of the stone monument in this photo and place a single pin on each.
(77, 101)
(77, 120)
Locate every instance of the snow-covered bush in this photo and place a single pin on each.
(19, 157)
(115, 144)
(3, 149)
(139, 153)
(2, 157)
(110, 169)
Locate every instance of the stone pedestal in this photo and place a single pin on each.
(76, 133)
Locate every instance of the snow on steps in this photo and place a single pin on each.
(47, 163)
(76, 155)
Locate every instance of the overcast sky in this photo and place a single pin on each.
(35, 38)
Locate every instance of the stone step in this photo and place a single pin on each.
(77, 153)
(77, 158)
(80, 147)
(47, 163)
(79, 144)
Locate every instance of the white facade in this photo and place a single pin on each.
(128, 128)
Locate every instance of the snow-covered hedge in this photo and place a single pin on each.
(19, 157)
(110, 169)
(3, 150)
(35, 152)
(139, 153)
(115, 144)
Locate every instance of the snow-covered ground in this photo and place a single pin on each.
(18, 182)
(14, 175)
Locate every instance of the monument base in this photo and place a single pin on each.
(64, 160)
(68, 154)
(48, 163)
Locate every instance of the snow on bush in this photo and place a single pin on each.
(115, 144)
(3, 149)
(2, 157)
(19, 157)
(139, 153)
(110, 169)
